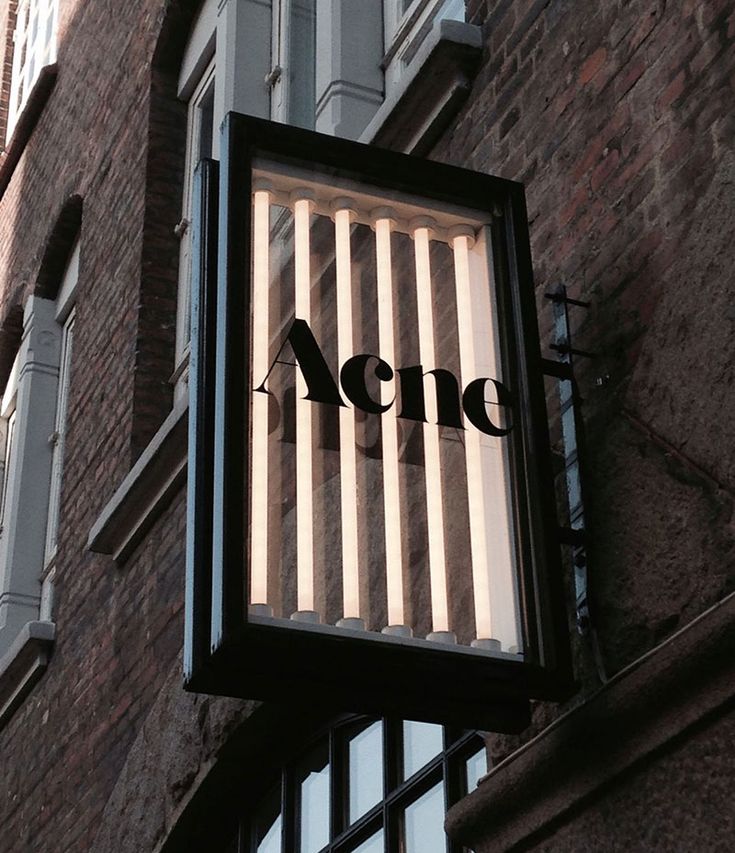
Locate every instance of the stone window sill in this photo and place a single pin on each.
(23, 664)
(436, 83)
(146, 491)
(26, 122)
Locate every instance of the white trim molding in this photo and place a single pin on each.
(23, 664)
(28, 470)
(432, 89)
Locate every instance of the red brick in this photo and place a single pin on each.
(591, 66)
(673, 90)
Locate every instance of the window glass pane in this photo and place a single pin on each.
(423, 823)
(366, 770)
(302, 63)
(421, 742)
(476, 768)
(374, 844)
(453, 9)
(206, 123)
(268, 824)
(271, 842)
(9, 444)
(314, 801)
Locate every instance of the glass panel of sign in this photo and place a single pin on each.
(380, 496)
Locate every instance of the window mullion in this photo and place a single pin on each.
(338, 782)
(392, 762)
(280, 53)
(290, 812)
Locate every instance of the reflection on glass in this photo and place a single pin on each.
(476, 768)
(421, 742)
(374, 844)
(424, 823)
(314, 802)
(271, 842)
(366, 770)
(268, 824)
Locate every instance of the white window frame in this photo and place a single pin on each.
(7, 426)
(224, 32)
(34, 47)
(406, 28)
(31, 393)
(34, 406)
(286, 86)
(58, 438)
(203, 89)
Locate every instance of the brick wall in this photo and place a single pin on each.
(618, 116)
(119, 631)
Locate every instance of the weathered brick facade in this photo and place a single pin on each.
(618, 116)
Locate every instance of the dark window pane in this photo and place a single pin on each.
(268, 824)
(206, 123)
(302, 62)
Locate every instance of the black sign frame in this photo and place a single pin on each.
(229, 653)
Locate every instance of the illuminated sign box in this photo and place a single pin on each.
(371, 520)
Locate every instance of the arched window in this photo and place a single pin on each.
(365, 786)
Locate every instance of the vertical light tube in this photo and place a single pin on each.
(302, 203)
(343, 214)
(259, 444)
(420, 229)
(475, 489)
(383, 219)
(491, 539)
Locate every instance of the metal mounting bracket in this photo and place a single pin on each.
(571, 427)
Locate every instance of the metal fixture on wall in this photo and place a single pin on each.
(571, 432)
